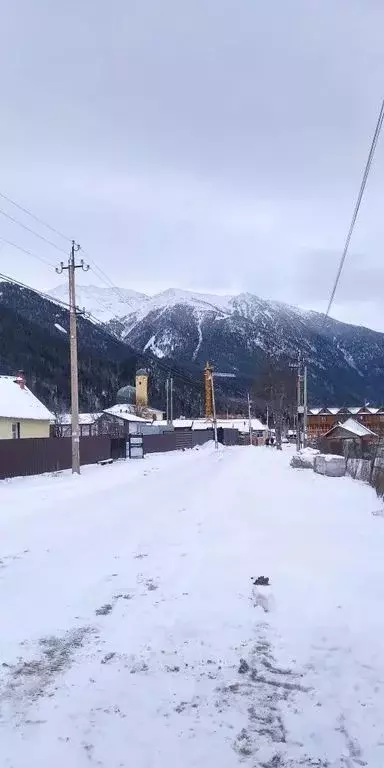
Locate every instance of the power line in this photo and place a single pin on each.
(36, 218)
(102, 329)
(41, 237)
(11, 280)
(29, 253)
(98, 271)
(357, 206)
(102, 276)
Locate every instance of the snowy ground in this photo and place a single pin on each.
(131, 634)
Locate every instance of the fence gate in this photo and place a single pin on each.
(136, 447)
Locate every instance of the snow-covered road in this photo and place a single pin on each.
(132, 636)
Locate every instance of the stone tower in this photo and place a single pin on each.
(142, 387)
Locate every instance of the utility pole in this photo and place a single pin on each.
(249, 419)
(167, 398)
(71, 267)
(305, 412)
(171, 383)
(299, 406)
(214, 410)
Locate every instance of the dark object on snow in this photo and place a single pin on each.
(108, 657)
(244, 667)
(104, 610)
(261, 581)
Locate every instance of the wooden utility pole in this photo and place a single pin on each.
(71, 267)
(167, 398)
(249, 419)
(171, 399)
(305, 412)
(298, 436)
(214, 409)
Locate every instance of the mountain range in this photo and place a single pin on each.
(34, 337)
(178, 331)
(240, 334)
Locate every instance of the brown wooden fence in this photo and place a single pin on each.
(34, 456)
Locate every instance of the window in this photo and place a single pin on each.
(16, 430)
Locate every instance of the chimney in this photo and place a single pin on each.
(20, 379)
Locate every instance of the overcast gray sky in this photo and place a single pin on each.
(214, 145)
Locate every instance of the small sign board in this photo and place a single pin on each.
(135, 447)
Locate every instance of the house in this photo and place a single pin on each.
(321, 420)
(350, 435)
(350, 430)
(259, 430)
(22, 415)
(120, 419)
(88, 423)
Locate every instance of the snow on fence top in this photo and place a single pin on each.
(18, 402)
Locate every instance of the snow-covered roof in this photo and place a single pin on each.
(357, 428)
(84, 418)
(242, 425)
(177, 423)
(18, 403)
(125, 414)
(354, 427)
(354, 410)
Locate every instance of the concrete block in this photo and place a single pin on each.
(331, 466)
(304, 459)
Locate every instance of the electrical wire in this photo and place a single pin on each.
(103, 330)
(41, 237)
(11, 280)
(36, 218)
(357, 206)
(103, 277)
(29, 253)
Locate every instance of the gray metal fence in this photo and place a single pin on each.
(177, 440)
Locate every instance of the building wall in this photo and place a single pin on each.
(28, 428)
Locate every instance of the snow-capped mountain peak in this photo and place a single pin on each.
(103, 303)
(238, 334)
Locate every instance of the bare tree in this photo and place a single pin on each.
(275, 388)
